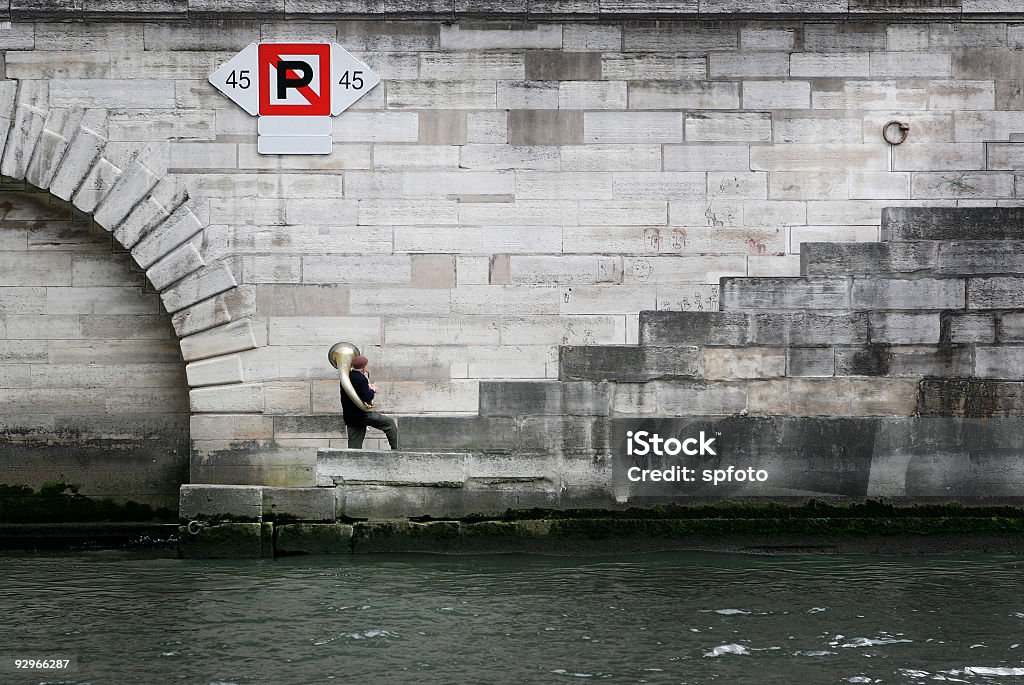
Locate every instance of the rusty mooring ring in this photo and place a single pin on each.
(904, 130)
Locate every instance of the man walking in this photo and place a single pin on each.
(357, 418)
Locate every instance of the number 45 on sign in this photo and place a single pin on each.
(294, 89)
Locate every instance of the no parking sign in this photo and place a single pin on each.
(294, 89)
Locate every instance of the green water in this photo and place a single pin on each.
(667, 618)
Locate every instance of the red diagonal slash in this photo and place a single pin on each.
(270, 56)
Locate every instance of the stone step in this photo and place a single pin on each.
(628, 363)
(837, 293)
(953, 223)
(735, 329)
(806, 329)
(927, 257)
(254, 503)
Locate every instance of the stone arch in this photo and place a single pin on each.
(151, 214)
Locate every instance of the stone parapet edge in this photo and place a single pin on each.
(539, 10)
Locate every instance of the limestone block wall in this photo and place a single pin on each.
(510, 187)
(92, 385)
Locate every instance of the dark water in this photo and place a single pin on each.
(667, 618)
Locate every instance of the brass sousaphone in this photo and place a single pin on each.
(341, 355)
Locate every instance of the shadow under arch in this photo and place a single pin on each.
(126, 190)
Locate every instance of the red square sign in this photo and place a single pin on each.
(295, 79)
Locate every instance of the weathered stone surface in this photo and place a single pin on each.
(226, 540)
(970, 397)
(948, 223)
(628, 363)
(922, 293)
(785, 293)
(313, 538)
(694, 328)
(237, 502)
(299, 504)
(834, 259)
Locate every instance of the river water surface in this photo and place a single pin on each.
(663, 618)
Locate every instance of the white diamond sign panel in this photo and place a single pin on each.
(294, 89)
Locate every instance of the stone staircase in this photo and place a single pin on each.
(890, 370)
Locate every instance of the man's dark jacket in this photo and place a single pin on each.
(356, 416)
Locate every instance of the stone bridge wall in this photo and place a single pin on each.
(510, 187)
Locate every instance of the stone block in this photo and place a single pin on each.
(904, 328)
(785, 293)
(910, 65)
(833, 259)
(232, 337)
(843, 37)
(980, 257)
(231, 305)
(953, 223)
(205, 283)
(611, 158)
(1010, 327)
(501, 36)
(664, 328)
(727, 363)
(872, 95)
(940, 156)
(651, 67)
(527, 94)
(871, 185)
(407, 469)
(415, 157)
(748, 65)
(628, 363)
(545, 127)
(961, 95)
(216, 371)
(1003, 361)
(299, 504)
(226, 540)
(591, 37)
(441, 95)
(969, 328)
(801, 157)
(810, 361)
(728, 127)
(922, 293)
(830, 65)
(592, 95)
(669, 38)
(679, 398)
(800, 329)
(970, 398)
(631, 127)
(809, 185)
(238, 502)
(313, 538)
(1000, 292)
(987, 126)
(114, 93)
(550, 65)
(776, 95)
(517, 398)
(817, 127)
(707, 158)
(606, 299)
(238, 398)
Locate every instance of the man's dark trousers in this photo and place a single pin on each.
(356, 434)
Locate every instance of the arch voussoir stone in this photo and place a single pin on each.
(81, 155)
(30, 110)
(133, 185)
(58, 130)
(150, 213)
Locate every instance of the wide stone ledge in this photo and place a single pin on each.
(121, 10)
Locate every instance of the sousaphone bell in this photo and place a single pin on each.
(341, 355)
